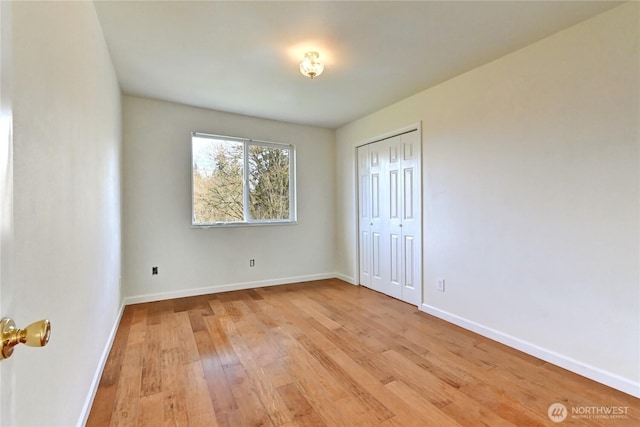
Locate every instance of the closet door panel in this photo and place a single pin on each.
(393, 208)
(364, 216)
(379, 224)
(394, 286)
(411, 219)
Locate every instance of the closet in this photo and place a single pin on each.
(390, 220)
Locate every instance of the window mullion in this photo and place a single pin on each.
(292, 188)
(245, 178)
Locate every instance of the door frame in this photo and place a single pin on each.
(399, 131)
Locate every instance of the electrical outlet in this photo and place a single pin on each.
(440, 285)
(252, 263)
(154, 271)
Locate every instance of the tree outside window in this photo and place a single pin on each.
(241, 181)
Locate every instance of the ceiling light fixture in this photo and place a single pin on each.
(310, 66)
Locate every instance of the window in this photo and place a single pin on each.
(241, 181)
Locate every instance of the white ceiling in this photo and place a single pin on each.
(242, 57)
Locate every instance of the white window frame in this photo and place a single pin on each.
(245, 191)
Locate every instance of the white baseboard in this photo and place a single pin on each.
(345, 278)
(607, 378)
(224, 288)
(88, 403)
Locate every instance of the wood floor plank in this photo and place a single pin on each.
(316, 387)
(127, 402)
(297, 404)
(174, 388)
(308, 371)
(369, 403)
(197, 399)
(196, 319)
(278, 372)
(356, 324)
(260, 382)
(257, 335)
(151, 410)
(252, 411)
(219, 389)
(105, 398)
(111, 372)
(298, 324)
(152, 362)
(430, 414)
(205, 419)
(103, 404)
(325, 353)
(311, 309)
(395, 403)
(358, 351)
(263, 311)
(216, 329)
(183, 336)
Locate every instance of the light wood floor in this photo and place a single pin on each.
(325, 353)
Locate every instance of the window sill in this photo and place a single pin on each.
(242, 224)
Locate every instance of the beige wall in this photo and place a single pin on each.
(157, 206)
(531, 196)
(67, 141)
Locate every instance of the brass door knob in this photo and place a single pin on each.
(35, 335)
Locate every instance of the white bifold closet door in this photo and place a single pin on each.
(390, 224)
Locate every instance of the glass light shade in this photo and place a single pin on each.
(310, 66)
